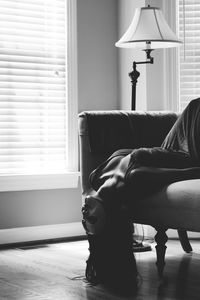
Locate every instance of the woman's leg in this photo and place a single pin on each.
(144, 181)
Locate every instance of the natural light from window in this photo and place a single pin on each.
(33, 87)
(189, 60)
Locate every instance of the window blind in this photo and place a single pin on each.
(33, 89)
(189, 32)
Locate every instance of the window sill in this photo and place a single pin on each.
(38, 181)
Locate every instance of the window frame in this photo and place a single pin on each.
(171, 61)
(70, 178)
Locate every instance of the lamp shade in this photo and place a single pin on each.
(148, 30)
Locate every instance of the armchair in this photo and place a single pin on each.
(176, 206)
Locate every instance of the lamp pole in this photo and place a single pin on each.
(134, 75)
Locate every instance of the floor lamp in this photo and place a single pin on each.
(147, 31)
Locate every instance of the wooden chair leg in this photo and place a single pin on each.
(161, 239)
(185, 243)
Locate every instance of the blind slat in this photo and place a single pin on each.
(32, 3)
(31, 99)
(34, 60)
(32, 92)
(9, 53)
(30, 66)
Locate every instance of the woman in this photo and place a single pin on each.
(118, 182)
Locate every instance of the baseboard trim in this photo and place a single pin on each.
(173, 234)
(41, 233)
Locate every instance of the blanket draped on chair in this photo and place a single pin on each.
(179, 150)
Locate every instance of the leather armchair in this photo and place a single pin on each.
(176, 206)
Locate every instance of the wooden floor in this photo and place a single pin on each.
(56, 272)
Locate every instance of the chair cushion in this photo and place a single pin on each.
(176, 206)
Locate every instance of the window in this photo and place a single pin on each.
(189, 55)
(37, 91)
(182, 65)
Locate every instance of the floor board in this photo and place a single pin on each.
(56, 272)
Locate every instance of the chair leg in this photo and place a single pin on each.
(161, 239)
(185, 243)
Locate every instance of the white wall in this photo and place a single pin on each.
(97, 89)
(97, 55)
(155, 75)
(33, 208)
